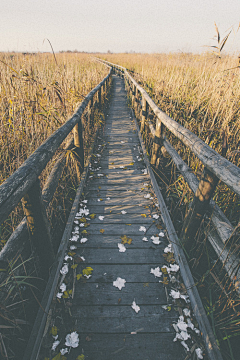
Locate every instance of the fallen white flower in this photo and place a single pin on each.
(175, 294)
(76, 222)
(147, 196)
(108, 198)
(184, 335)
(55, 344)
(161, 234)
(74, 238)
(64, 269)
(100, 175)
(72, 340)
(63, 287)
(101, 217)
(83, 240)
(156, 272)
(199, 353)
(85, 201)
(155, 216)
(59, 295)
(55, 337)
(82, 258)
(187, 312)
(123, 212)
(135, 307)
(73, 247)
(87, 276)
(145, 238)
(82, 225)
(185, 345)
(174, 267)
(122, 142)
(181, 324)
(142, 228)
(168, 248)
(121, 248)
(67, 257)
(119, 283)
(185, 297)
(64, 351)
(155, 240)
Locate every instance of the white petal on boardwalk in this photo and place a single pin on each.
(121, 247)
(156, 272)
(119, 283)
(135, 307)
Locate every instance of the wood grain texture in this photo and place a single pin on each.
(128, 346)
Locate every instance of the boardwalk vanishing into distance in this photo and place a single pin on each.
(114, 289)
(120, 195)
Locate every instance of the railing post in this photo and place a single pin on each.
(156, 142)
(79, 151)
(199, 205)
(38, 226)
(136, 100)
(144, 113)
(133, 95)
(99, 98)
(90, 113)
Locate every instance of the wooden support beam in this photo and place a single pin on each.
(38, 227)
(144, 113)
(79, 151)
(192, 221)
(91, 113)
(133, 95)
(157, 142)
(99, 98)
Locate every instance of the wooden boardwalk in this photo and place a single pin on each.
(109, 328)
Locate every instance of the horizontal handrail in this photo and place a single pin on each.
(17, 185)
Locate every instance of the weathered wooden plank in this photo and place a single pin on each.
(111, 241)
(121, 229)
(122, 219)
(115, 193)
(122, 174)
(140, 346)
(123, 319)
(130, 200)
(106, 273)
(129, 170)
(115, 187)
(113, 209)
(130, 256)
(107, 294)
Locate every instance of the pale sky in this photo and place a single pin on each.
(117, 25)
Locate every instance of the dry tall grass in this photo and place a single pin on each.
(38, 93)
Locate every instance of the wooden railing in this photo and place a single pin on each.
(24, 184)
(215, 168)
